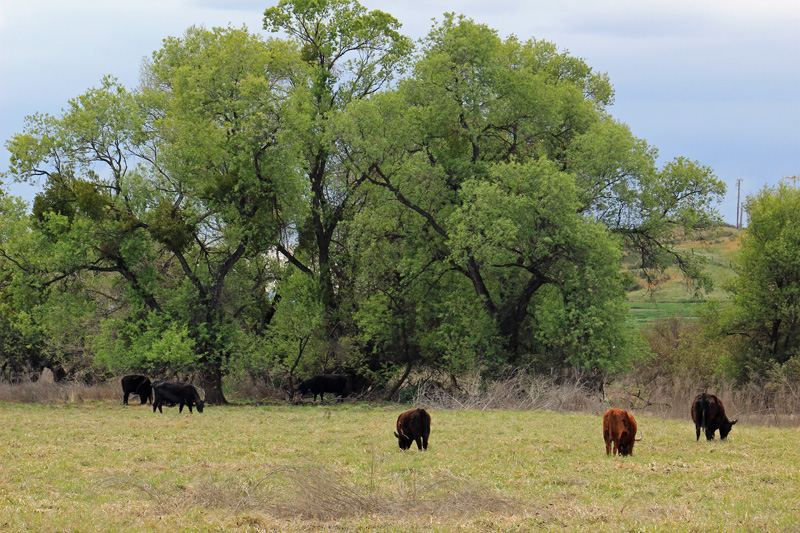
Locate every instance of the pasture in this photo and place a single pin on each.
(673, 296)
(99, 466)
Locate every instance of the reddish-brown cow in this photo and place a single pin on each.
(619, 427)
(708, 413)
(414, 425)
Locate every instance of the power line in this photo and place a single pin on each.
(738, 196)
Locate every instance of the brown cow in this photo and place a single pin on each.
(708, 413)
(414, 425)
(619, 427)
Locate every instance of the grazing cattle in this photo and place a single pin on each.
(413, 425)
(322, 383)
(709, 414)
(167, 393)
(139, 385)
(619, 428)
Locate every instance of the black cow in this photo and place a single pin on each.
(322, 383)
(413, 425)
(170, 393)
(136, 384)
(709, 414)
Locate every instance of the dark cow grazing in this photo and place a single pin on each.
(167, 393)
(619, 428)
(414, 425)
(139, 385)
(709, 414)
(322, 383)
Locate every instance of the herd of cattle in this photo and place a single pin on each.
(619, 426)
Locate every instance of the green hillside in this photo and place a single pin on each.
(673, 295)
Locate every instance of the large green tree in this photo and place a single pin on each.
(174, 190)
(525, 187)
(765, 295)
(285, 197)
(351, 54)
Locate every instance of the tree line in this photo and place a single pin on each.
(337, 197)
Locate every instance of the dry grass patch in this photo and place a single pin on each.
(58, 393)
(320, 494)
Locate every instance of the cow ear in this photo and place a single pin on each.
(396, 435)
(733, 422)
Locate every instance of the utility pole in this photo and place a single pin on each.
(793, 178)
(738, 196)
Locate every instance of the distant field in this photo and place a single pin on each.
(101, 467)
(647, 312)
(674, 297)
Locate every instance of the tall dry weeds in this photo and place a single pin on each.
(774, 401)
(519, 390)
(59, 393)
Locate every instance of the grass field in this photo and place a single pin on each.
(673, 296)
(99, 466)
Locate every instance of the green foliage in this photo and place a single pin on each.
(684, 350)
(325, 199)
(295, 333)
(151, 344)
(338, 37)
(765, 296)
(168, 225)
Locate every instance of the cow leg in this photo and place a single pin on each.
(419, 442)
(424, 442)
(608, 447)
(710, 433)
(180, 407)
(143, 398)
(125, 398)
(697, 427)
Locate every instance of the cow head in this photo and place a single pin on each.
(626, 447)
(199, 404)
(404, 441)
(302, 387)
(726, 427)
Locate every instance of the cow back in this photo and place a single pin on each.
(708, 413)
(322, 383)
(619, 428)
(177, 393)
(413, 425)
(137, 384)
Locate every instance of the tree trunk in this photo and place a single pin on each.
(211, 381)
(392, 393)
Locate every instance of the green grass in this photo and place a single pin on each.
(101, 467)
(647, 312)
(673, 296)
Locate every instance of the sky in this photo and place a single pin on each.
(716, 81)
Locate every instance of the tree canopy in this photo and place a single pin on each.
(331, 199)
(765, 296)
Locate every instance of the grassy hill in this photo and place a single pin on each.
(674, 296)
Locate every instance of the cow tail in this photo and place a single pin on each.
(703, 411)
